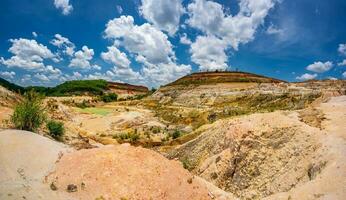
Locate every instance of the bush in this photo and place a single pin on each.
(56, 129)
(176, 134)
(109, 97)
(30, 113)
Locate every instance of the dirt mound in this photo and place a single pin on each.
(25, 159)
(8, 98)
(115, 172)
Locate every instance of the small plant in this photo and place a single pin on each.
(176, 134)
(30, 113)
(82, 105)
(56, 129)
(109, 97)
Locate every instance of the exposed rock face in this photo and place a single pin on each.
(259, 155)
(253, 156)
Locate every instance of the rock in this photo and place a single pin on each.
(72, 188)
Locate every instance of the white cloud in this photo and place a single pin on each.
(51, 70)
(121, 64)
(82, 59)
(332, 78)
(306, 77)
(149, 46)
(272, 30)
(34, 34)
(9, 75)
(64, 5)
(162, 73)
(343, 63)
(41, 77)
(28, 54)
(119, 9)
(144, 40)
(344, 74)
(63, 43)
(185, 40)
(209, 53)
(209, 17)
(116, 57)
(342, 49)
(164, 14)
(320, 67)
(26, 78)
(77, 75)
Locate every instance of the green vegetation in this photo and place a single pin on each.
(30, 113)
(97, 111)
(56, 129)
(76, 87)
(84, 104)
(187, 164)
(127, 137)
(109, 97)
(10, 86)
(176, 134)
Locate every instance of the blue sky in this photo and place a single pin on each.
(153, 42)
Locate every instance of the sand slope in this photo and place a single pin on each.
(25, 159)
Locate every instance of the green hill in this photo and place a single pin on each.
(11, 86)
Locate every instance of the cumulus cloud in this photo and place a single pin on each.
(41, 77)
(306, 77)
(163, 14)
(320, 67)
(116, 57)
(209, 17)
(143, 40)
(343, 63)
(82, 59)
(64, 5)
(121, 64)
(185, 40)
(209, 53)
(149, 46)
(9, 75)
(63, 43)
(342, 49)
(344, 74)
(27, 54)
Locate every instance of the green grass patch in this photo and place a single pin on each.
(96, 111)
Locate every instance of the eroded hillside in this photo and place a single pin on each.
(258, 138)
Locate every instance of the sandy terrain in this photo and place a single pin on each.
(127, 172)
(331, 183)
(273, 155)
(25, 159)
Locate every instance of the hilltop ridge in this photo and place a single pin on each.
(204, 78)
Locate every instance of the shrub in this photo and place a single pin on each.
(109, 97)
(176, 134)
(56, 129)
(30, 113)
(82, 105)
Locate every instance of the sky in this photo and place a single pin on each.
(154, 42)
